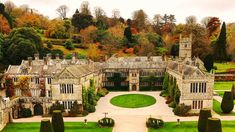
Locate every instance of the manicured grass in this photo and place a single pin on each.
(133, 100)
(223, 67)
(66, 51)
(69, 127)
(223, 85)
(217, 109)
(227, 126)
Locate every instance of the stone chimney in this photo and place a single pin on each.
(48, 58)
(58, 65)
(30, 61)
(57, 56)
(36, 56)
(74, 57)
(45, 60)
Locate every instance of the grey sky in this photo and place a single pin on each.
(224, 9)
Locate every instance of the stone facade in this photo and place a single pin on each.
(64, 79)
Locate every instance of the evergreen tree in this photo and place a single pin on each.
(220, 52)
(57, 121)
(208, 62)
(227, 103)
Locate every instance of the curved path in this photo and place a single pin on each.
(126, 119)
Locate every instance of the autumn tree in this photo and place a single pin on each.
(213, 24)
(87, 34)
(200, 41)
(93, 52)
(62, 11)
(57, 29)
(4, 26)
(139, 19)
(6, 15)
(23, 84)
(220, 52)
(9, 86)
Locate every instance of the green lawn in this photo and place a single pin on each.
(223, 67)
(133, 100)
(228, 126)
(69, 127)
(217, 109)
(223, 85)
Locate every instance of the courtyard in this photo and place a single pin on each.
(126, 119)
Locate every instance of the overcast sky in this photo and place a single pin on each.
(224, 9)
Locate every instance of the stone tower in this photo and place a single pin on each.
(185, 47)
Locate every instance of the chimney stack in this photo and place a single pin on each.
(30, 61)
(36, 56)
(45, 60)
(48, 58)
(57, 56)
(74, 57)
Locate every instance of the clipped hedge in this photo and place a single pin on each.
(57, 121)
(149, 88)
(202, 120)
(46, 126)
(213, 125)
(182, 110)
(154, 123)
(90, 108)
(106, 122)
(120, 88)
(227, 103)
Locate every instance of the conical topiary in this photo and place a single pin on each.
(202, 120)
(227, 102)
(213, 125)
(57, 121)
(233, 91)
(46, 126)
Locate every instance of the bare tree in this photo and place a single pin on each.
(116, 14)
(99, 13)
(191, 20)
(62, 11)
(9, 6)
(85, 9)
(205, 21)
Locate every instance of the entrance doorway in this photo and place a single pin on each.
(134, 87)
(38, 109)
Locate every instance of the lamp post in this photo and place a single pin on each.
(105, 114)
(178, 121)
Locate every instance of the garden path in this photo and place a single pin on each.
(130, 120)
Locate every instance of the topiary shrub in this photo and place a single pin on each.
(182, 110)
(77, 108)
(26, 112)
(102, 92)
(106, 122)
(233, 91)
(213, 125)
(56, 106)
(46, 126)
(227, 102)
(69, 45)
(202, 120)
(90, 108)
(57, 121)
(154, 123)
(172, 104)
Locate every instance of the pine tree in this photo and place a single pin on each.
(220, 52)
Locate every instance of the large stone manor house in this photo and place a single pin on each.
(64, 79)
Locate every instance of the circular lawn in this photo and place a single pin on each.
(133, 100)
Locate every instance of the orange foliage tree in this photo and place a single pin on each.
(24, 86)
(86, 34)
(4, 26)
